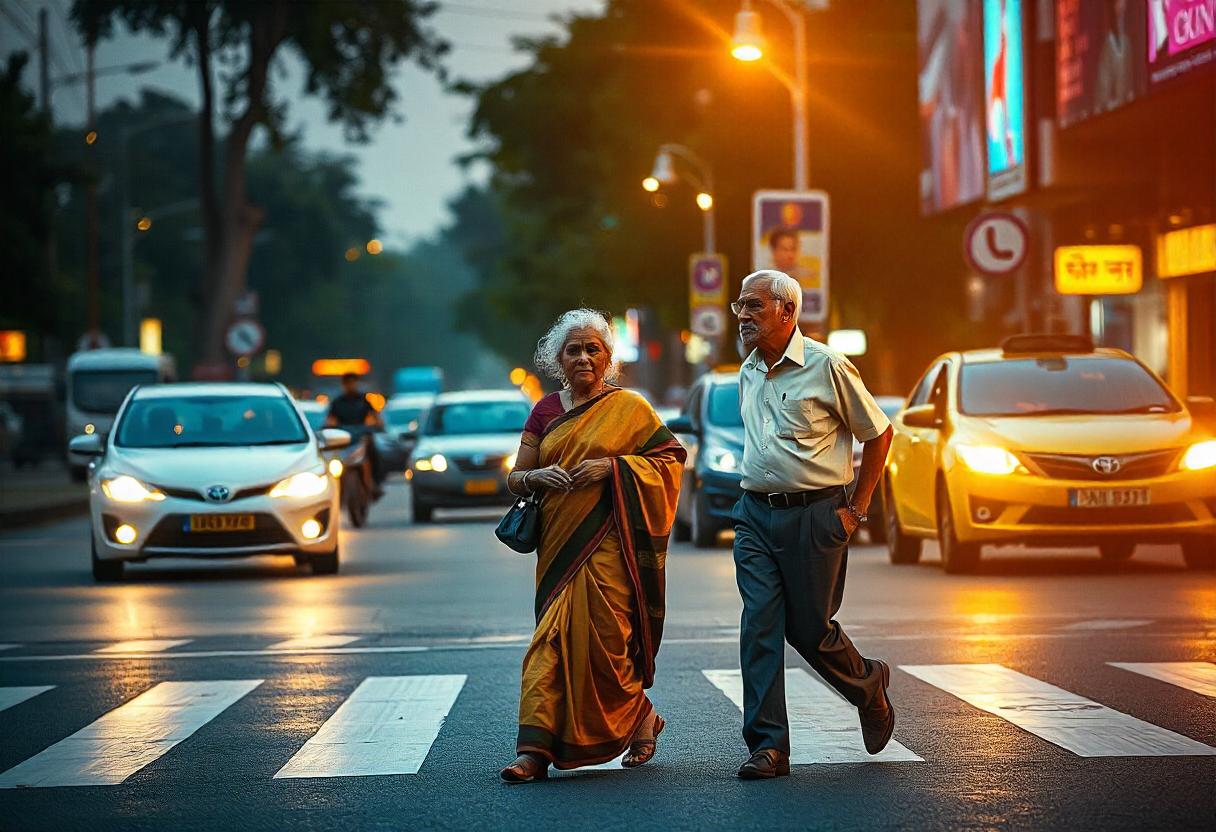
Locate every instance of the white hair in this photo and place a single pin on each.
(782, 287)
(549, 347)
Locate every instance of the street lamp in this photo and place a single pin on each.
(748, 46)
(699, 176)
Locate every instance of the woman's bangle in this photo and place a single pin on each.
(524, 481)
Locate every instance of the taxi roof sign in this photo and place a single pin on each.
(341, 366)
(1046, 342)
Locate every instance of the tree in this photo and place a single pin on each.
(348, 51)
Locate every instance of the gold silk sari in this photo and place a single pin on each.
(599, 583)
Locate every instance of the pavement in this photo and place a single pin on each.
(1048, 691)
(29, 496)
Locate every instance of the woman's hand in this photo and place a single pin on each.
(590, 471)
(553, 478)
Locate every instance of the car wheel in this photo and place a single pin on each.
(423, 513)
(105, 571)
(1199, 554)
(702, 530)
(680, 531)
(325, 564)
(1117, 551)
(877, 525)
(901, 548)
(957, 557)
(355, 496)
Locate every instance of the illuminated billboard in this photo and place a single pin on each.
(1099, 56)
(1181, 37)
(951, 108)
(1004, 98)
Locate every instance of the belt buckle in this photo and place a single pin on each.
(772, 501)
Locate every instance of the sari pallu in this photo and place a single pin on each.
(600, 586)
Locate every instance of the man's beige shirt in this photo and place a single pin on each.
(799, 419)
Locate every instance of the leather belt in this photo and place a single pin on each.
(788, 499)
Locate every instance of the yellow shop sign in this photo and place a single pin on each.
(1187, 251)
(1099, 270)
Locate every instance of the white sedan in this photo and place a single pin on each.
(211, 470)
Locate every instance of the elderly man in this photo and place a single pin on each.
(802, 404)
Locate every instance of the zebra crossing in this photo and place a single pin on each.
(389, 725)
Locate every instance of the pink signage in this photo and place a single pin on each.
(1181, 36)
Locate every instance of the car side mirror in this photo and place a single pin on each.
(87, 444)
(1203, 410)
(333, 438)
(681, 424)
(921, 416)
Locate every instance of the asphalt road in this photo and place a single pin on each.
(252, 695)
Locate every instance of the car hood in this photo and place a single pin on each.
(726, 437)
(1082, 433)
(239, 467)
(480, 443)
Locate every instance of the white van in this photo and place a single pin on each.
(96, 384)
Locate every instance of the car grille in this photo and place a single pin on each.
(1104, 516)
(478, 463)
(170, 532)
(1080, 466)
(192, 494)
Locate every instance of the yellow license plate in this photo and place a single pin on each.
(221, 523)
(481, 487)
(1108, 497)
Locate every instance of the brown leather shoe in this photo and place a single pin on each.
(765, 764)
(878, 720)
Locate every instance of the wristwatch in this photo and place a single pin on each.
(857, 515)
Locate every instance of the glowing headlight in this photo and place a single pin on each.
(437, 462)
(1200, 456)
(303, 484)
(722, 459)
(336, 467)
(988, 459)
(124, 489)
(509, 462)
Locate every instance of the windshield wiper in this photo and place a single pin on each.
(275, 442)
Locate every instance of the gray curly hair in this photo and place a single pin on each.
(549, 347)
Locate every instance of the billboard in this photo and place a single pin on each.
(1099, 57)
(1181, 37)
(949, 84)
(790, 234)
(1004, 97)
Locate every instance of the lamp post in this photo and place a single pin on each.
(748, 46)
(699, 176)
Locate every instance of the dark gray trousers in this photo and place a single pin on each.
(790, 565)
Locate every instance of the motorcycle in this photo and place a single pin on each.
(358, 479)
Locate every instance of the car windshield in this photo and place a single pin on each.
(315, 417)
(724, 406)
(1060, 385)
(102, 391)
(403, 418)
(209, 421)
(477, 417)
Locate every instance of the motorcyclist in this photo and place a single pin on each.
(352, 410)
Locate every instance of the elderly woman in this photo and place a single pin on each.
(608, 471)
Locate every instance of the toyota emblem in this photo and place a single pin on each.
(218, 493)
(479, 460)
(1107, 465)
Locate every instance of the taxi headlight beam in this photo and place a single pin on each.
(1200, 456)
(303, 484)
(125, 489)
(988, 459)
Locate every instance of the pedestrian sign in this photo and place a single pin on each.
(996, 243)
(707, 294)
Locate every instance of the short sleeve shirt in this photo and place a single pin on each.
(350, 409)
(799, 419)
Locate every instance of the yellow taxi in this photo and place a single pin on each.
(1049, 441)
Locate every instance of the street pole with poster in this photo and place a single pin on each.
(790, 234)
(706, 306)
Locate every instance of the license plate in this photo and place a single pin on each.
(481, 487)
(220, 523)
(1108, 497)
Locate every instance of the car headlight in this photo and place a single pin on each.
(1200, 456)
(303, 484)
(988, 459)
(435, 462)
(722, 459)
(508, 464)
(125, 489)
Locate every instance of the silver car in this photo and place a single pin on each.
(466, 448)
(214, 471)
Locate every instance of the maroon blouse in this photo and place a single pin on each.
(545, 411)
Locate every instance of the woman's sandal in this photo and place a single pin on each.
(643, 751)
(526, 769)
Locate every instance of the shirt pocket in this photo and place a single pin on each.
(803, 419)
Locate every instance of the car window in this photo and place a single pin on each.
(692, 407)
(1061, 385)
(723, 410)
(461, 418)
(102, 391)
(316, 418)
(920, 393)
(209, 421)
(403, 418)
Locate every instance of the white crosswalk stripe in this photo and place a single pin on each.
(823, 727)
(129, 737)
(143, 645)
(15, 696)
(1066, 719)
(9, 646)
(313, 642)
(1197, 676)
(387, 726)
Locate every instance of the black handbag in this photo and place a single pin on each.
(520, 526)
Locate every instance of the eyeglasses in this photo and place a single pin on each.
(752, 305)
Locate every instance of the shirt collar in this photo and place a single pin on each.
(794, 351)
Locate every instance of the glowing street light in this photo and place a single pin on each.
(144, 223)
(747, 44)
(650, 184)
(705, 201)
(695, 172)
(374, 246)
